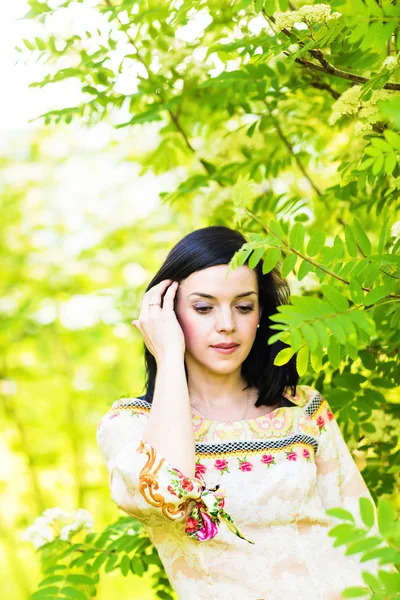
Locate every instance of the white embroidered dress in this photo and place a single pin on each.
(263, 534)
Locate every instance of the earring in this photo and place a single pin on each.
(258, 325)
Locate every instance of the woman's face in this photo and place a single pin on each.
(210, 311)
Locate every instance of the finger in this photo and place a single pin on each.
(159, 287)
(153, 295)
(170, 295)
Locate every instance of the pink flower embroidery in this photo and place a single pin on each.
(180, 475)
(320, 422)
(113, 415)
(187, 485)
(330, 415)
(191, 525)
(306, 453)
(267, 459)
(209, 529)
(171, 490)
(220, 464)
(292, 456)
(246, 466)
(200, 470)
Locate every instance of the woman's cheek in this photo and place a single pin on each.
(189, 330)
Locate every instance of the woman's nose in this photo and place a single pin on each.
(226, 322)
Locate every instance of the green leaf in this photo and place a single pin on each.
(366, 164)
(355, 592)
(381, 144)
(368, 427)
(304, 269)
(71, 592)
(322, 333)
(356, 292)
(390, 163)
(125, 565)
(137, 566)
(392, 138)
(340, 513)
(316, 360)
(276, 227)
(376, 294)
(256, 257)
(367, 511)
(288, 264)
(283, 356)
(297, 237)
(271, 258)
(386, 518)
(383, 235)
(335, 298)
(29, 45)
(269, 6)
(363, 545)
(47, 592)
(350, 241)
(296, 341)
(302, 360)
(310, 336)
(361, 237)
(334, 353)
(316, 243)
(258, 6)
(78, 578)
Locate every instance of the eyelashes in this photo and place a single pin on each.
(203, 310)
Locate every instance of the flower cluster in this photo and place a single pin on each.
(56, 522)
(391, 62)
(350, 103)
(309, 14)
(395, 231)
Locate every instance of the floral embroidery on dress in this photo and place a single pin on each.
(222, 465)
(202, 522)
(245, 465)
(268, 459)
(204, 516)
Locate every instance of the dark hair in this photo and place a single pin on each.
(216, 245)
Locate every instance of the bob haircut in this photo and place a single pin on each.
(216, 245)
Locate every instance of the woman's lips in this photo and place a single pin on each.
(225, 350)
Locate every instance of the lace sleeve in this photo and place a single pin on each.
(143, 482)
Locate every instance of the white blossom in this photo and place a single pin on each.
(391, 62)
(395, 231)
(309, 14)
(56, 522)
(350, 103)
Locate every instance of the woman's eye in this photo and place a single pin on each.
(205, 309)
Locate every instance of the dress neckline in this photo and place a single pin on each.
(254, 419)
(280, 410)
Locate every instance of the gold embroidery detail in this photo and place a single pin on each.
(148, 484)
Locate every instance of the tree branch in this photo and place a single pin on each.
(327, 67)
(291, 151)
(174, 118)
(267, 230)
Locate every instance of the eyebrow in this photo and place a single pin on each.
(214, 298)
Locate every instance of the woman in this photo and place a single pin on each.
(227, 462)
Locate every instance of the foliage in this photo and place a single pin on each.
(282, 120)
(383, 545)
(72, 569)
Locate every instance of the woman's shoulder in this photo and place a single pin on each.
(304, 397)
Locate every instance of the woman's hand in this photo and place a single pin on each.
(158, 325)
